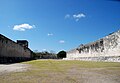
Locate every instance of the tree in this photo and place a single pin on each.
(61, 54)
(45, 55)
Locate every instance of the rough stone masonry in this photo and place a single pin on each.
(104, 49)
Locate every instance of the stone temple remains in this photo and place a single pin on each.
(104, 49)
(12, 52)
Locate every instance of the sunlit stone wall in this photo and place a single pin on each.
(106, 47)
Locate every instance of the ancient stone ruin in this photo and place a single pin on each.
(11, 51)
(104, 49)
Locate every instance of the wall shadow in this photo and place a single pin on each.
(12, 60)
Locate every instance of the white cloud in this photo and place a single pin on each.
(50, 34)
(78, 16)
(44, 49)
(61, 41)
(67, 16)
(23, 27)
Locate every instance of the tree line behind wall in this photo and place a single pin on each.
(48, 55)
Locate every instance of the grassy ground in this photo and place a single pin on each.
(59, 71)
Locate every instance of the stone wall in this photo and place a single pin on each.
(10, 49)
(105, 47)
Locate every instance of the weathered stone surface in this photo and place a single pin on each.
(107, 47)
(10, 50)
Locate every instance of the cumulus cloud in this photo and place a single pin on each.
(61, 41)
(50, 34)
(78, 16)
(67, 16)
(23, 27)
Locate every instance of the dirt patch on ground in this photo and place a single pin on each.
(13, 68)
(94, 75)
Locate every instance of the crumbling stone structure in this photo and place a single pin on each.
(104, 49)
(11, 51)
(23, 43)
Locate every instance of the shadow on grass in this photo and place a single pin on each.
(9, 60)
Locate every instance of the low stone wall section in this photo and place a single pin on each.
(101, 58)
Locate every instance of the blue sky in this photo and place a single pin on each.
(58, 24)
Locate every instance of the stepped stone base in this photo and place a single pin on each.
(101, 58)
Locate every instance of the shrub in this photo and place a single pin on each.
(61, 54)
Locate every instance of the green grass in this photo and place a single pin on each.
(57, 71)
(56, 64)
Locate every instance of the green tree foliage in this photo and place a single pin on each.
(45, 55)
(61, 54)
